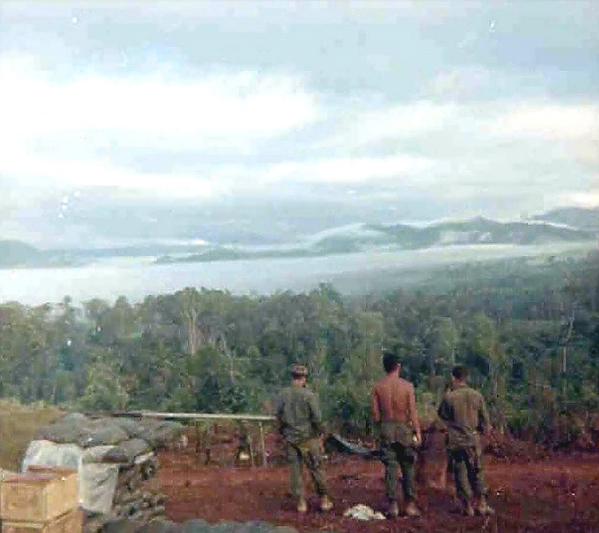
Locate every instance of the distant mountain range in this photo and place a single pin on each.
(365, 237)
(559, 226)
(587, 219)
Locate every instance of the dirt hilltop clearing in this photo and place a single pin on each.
(554, 495)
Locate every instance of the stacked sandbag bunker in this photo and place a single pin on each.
(116, 462)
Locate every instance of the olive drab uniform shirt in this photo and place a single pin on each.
(298, 414)
(464, 411)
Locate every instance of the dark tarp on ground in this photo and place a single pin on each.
(338, 444)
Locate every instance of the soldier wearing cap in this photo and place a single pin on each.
(300, 424)
(464, 411)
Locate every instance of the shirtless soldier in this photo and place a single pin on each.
(394, 411)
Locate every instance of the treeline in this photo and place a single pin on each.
(533, 347)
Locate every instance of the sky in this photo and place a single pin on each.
(146, 120)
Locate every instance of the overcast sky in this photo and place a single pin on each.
(325, 112)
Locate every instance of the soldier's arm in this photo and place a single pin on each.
(315, 414)
(445, 411)
(279, 413)
(484, 423)
(413, 413)
(375, 407)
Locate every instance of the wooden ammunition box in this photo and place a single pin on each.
(71, 522)
(40, 495)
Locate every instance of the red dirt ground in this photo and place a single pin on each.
(553, 495)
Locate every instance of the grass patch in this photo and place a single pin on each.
(18, 425)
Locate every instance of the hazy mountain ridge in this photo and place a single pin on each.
(559, 225)
(481, 230)
(406, 237)
(587, 219)
(17, 254)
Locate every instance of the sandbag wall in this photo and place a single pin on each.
(138, 493)
(196, 526)
(116, 461)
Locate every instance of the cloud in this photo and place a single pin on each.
(349, 170)
(233, 110)
(472, 137)
(258, 10)
(477, 82)
(395, 122)
(505, 155)
(185, 103)
(59, 132)
(581, 199)
(550, 122)
(66, 174)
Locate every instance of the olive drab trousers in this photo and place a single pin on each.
(395, 456)
(397, 451)
(306, 453)
(468, 471)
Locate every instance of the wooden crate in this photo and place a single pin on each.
(71, 522)
(40, 495)
(70, 482)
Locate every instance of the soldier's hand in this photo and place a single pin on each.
(321, 444)
(417, 439)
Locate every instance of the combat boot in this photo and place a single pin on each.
(465, 508)
(393, 511)
(302, 505)
(468, 509)
(412, 511)
(326, 504)
(483, 508)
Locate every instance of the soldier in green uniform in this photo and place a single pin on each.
(300, 424)
(463, 410)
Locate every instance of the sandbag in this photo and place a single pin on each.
(196, 526)
(127, 451)
(164, 526)
(128, 425)
(93, 522)
(117, 467)
(258, 526)
(62, 433)
(48, 453)
(96, 454)
(75, 419)
(120, 525)
(158, 434)
(97, 482)
(227, 527)
(97, 486)
(101, 433)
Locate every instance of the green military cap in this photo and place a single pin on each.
(299, 370)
